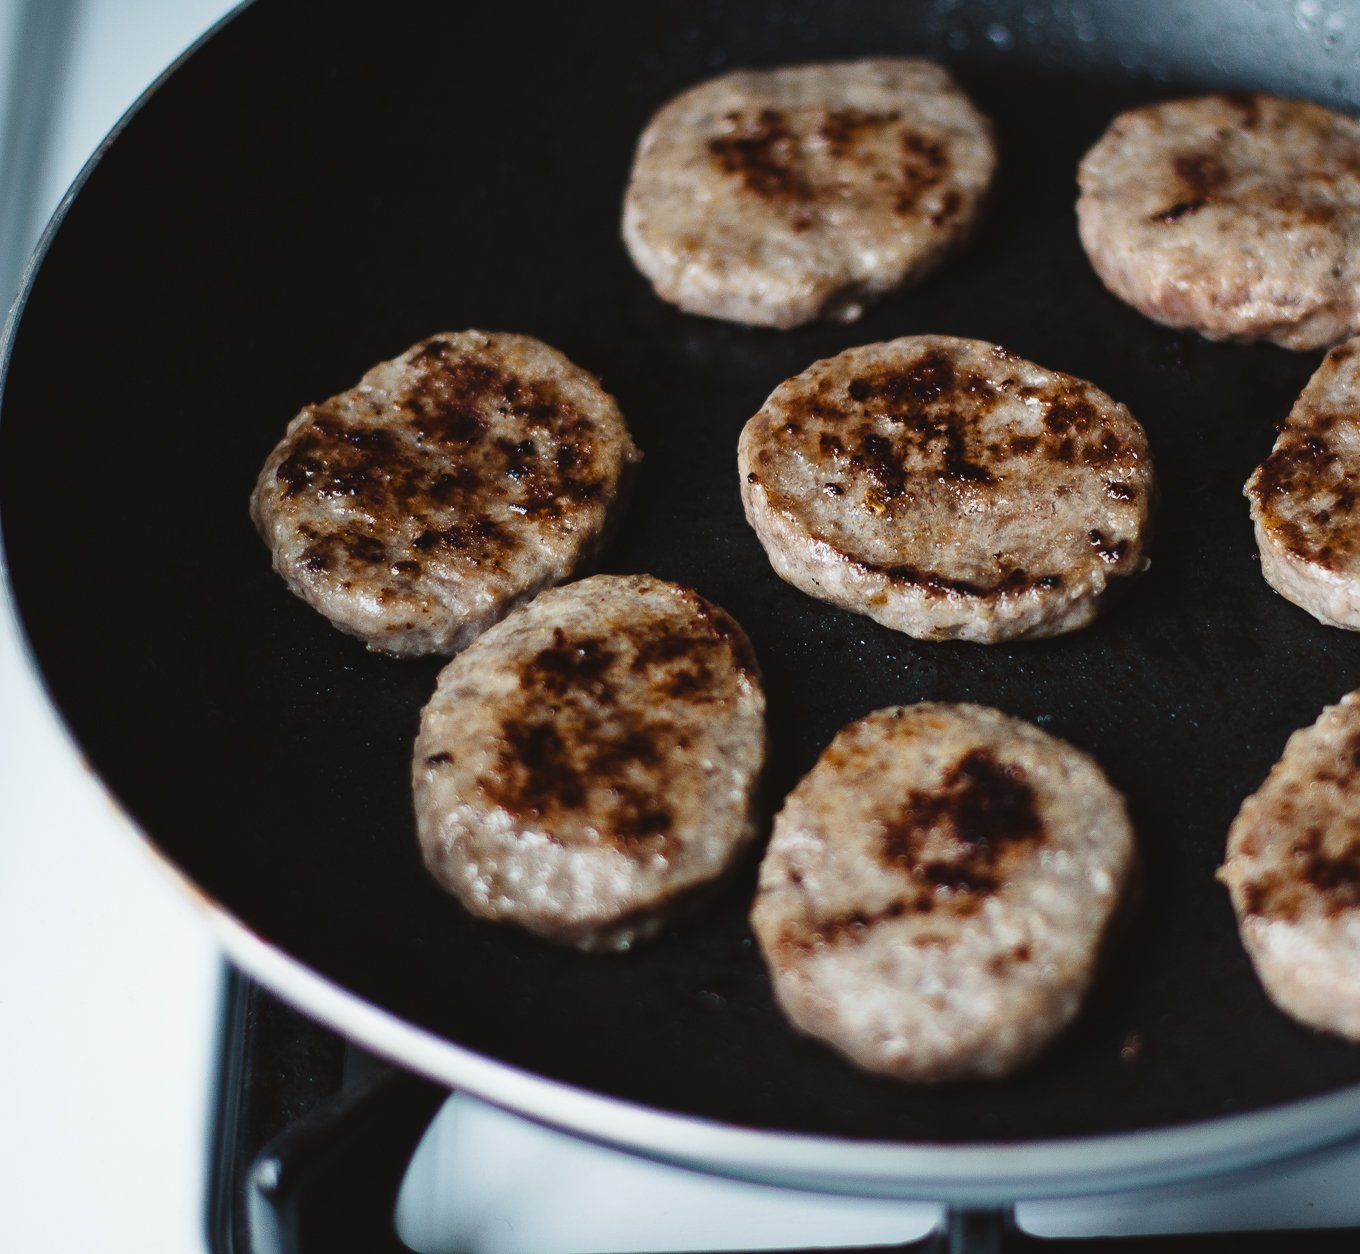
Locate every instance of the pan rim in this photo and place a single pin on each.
(978, 1173)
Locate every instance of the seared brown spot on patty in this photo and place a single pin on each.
(449, 403)
(853, 926)
(762, 152)
(1297, 470)
(550, 764)
(348, 544)
(570, 746)
(924, 164)
(1011, 582)
(330, 460)
(1311, 876)
(843, 128)
(1202, 172)
(1248, 105)
(478, 536)
(949, 209)
(569, 664)
(980, 808)
(1179, 210)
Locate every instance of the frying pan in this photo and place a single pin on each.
(316, 187)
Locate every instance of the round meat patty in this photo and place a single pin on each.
(450, 485)
(1303, 497)
(1293, 870)
(1234, 215)
(948, 489)
(775, 197)
(591, 762)
(937, 889)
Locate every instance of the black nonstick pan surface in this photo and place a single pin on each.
(317, 187)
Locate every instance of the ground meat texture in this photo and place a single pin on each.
(449, 486)
(776, 197)
(1304, 501)
(948, 489)
(937, 890)
(589, 765)
(1293, 870)
(1234, 215)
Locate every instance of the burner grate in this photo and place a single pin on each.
(312, 1136)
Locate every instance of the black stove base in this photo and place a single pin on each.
(312, 1136)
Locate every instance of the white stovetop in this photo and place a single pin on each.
(108, 976)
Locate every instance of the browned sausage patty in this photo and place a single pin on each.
(948, 489)
(1293, 869)
(1304, 500)
(448, 486)
(1234, 215)
(591, 761)
(778, 196)
(937, 889)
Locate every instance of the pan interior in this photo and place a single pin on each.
(303, 198)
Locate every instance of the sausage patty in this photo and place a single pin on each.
(1304, 501)
(448, 486)
(1235, 215)
(948, 489)
(937, 889)
(1293, 869)
(591, 761)
(778, 196)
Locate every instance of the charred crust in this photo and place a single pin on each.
(933, 582)
(876, 458)
(1306, 507)
(954, 845)
(1248, 107)
(421, 464)
(763, 153)
(478, 535)
(1328, 881)
(570, 664)
(344, 546)
(959, 836)
(1203, 173)
(981, 803)
(589, 730)
(852, 926)
(949, 208)
(543, 770)
(924, 164)
(1181, 209)
(842, 129)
